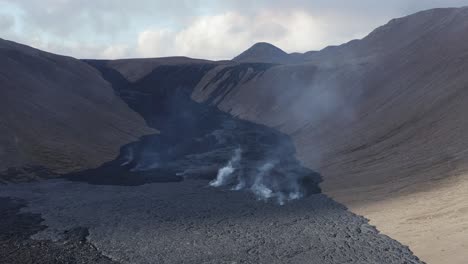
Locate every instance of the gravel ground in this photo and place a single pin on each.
(154, 203)
(189, 222)
(16, 245)
(159, 207)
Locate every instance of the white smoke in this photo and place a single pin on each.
(269, 181)
(224, 176)
(128, 157)
(259, 188)
(266, 186)
(240, 185)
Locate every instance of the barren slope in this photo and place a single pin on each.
(157, 203)
(267, 53)
(57, 112)
(383, 119)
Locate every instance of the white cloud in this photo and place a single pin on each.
(198, 28)
(82, 50)
(224, 36)
(156, 42)
(6, 22)
(115, 52)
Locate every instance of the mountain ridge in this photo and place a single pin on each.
(382, 117)
(374, 115)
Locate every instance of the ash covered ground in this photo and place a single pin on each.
(161, 205)
(187, 222)
(208, 189)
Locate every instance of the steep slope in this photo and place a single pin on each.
(267, 53)
(383, 119)
(58, 113)
(175, 197)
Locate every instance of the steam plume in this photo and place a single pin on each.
(271, 180)
(128, 157)
(224, 176)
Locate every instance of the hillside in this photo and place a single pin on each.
(377, 124)
(58, 113)
(381, 118)
(267, 53)
(208, 188)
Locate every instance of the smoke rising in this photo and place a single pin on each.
(197, 141)
(276, 179)
(225, 173)
(273, 182)
(127, 157)
(259, 188)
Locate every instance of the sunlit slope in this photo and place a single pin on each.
(382, 118)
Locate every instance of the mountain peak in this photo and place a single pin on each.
(263, 52)
(266, 46)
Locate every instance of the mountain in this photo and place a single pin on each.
(266, 53)
(382, 119)
(58, 113)
(170, 183)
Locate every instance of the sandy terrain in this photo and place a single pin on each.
(434, 222)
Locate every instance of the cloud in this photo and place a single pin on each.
(6, 22)
(154, 42)
(82, 50)
(224, 36)
(106, 17)
(217, 36)
(198, 28)
(115, 52)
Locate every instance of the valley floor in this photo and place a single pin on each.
(158, 207)
(189, 222)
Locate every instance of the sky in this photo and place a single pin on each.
(210, 29)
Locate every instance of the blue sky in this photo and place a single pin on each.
(196, 28)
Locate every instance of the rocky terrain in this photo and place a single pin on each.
(243, 152)
(189, 222)
(211, 188)
(382, 119)
(17, 246)
(208, 188)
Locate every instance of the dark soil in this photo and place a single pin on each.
(152, 204)
(17, 247)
